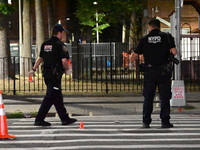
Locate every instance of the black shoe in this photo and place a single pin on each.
(42, 123)
(70, 121)
(168, 125)
(146, 125)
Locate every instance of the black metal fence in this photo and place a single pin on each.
(97, 68)
(101, 67)
(190, 62)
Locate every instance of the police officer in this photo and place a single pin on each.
(156, 47)
(54, 57)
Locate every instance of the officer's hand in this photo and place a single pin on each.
(173, 51)
(125, 54)
(70, 66)
(31, 73)
(68, 72)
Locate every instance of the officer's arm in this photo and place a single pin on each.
(173, 49)
(37, 63)
(65, 64)
(133, 57)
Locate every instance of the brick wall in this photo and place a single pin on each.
(60, 12)
(189, 14)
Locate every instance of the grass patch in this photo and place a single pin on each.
(99, 85)
(15, 115)
(188, 107)
(33, 114)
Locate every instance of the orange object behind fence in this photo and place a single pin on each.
(125, 60)
(30, 78)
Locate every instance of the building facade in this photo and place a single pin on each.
(57, 11)
(62, 11)
(163, 9)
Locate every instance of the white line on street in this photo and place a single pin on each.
(108, 135)
(97, 140)
(189, 146)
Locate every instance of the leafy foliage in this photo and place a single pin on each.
(89, 15)
(109, 12)
(6, 9)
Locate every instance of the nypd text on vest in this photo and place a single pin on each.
(154, 39)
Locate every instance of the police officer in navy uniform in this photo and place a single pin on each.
(54, 57)
(156, 48)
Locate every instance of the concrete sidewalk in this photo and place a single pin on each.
(96, 105)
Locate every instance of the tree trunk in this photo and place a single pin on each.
(5, 59)
(133, 35)
(3, 45)
(26, 62)
(50, 15)
(39, 26)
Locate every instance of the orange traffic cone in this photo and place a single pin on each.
(68, 60)
(180, 109)
(81, 125)
(30, 78)
(3, 123)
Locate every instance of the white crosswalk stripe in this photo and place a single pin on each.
(106, 132)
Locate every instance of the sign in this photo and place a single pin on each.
(178, 93)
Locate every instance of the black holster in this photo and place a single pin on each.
(142, 67)
(50, 73)
(167, 69)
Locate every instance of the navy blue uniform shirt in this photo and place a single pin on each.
(52, 53)
(155, 47)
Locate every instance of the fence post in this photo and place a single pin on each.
(91, 62)
(14, 80)
(111, 63)
(76, 59)
(106, 73)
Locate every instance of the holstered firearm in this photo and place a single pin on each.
(173, 59)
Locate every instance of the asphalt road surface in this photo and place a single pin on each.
(105, 132)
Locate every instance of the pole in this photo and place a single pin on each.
(178, 89)
(97, 26)
(178, 16)
(20, 26)
(20, 37)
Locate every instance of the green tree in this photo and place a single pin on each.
(113, 12)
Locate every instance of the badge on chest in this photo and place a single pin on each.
(48, 48)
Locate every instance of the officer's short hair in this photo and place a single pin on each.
(53, 32)
(154, 23)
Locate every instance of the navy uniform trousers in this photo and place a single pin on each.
(53, 97)
(155, 77)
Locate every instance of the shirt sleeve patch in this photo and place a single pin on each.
(48, 48)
